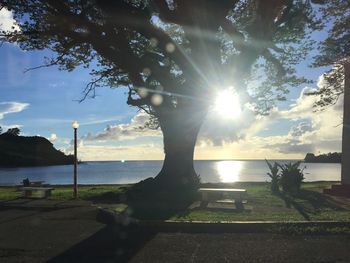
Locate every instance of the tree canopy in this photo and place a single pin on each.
(174, 55)
(180, 48)
(13, 131)
(334, 50)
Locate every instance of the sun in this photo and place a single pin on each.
(227, 104)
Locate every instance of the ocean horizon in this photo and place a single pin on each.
(133, 171)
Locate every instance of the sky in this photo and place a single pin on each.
(45, 102)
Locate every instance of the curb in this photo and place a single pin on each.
(113, 218)
(237, 226)
(34, 204)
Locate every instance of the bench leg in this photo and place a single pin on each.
(239, 203)
(27, 194)
(204, 202)
(47, 193)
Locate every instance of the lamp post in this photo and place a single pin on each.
(75, 126)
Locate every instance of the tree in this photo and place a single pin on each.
(174, 56)
(13, 131)
(0, 129)
(333, 51)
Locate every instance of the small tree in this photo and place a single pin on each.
(0, 129)
(274, 175)
(13, 131)
(291, 177)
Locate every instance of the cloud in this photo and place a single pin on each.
(146, 151)
(300, 129)
(288, 133)
(7, 23)
(105, 145)
(312, 131)
(53, 137)
(127, 131)
(11, 107)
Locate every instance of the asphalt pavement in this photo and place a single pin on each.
(72, 234)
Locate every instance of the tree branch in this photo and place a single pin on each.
(53, 63)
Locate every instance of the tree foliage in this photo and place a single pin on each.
(333, 51)
(13, 131)
(274, 175)
(180, 49)
(291, 177)
(173, 55)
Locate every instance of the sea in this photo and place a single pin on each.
(124, 172)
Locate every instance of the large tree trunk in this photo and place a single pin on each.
(180, 128)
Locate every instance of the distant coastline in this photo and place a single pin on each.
(323, 158)
(22, 151)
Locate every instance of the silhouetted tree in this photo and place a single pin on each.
(0, 129)
(13, 131)
(334, 51)
(174, 56)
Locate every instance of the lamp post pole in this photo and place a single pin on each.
(75, 126)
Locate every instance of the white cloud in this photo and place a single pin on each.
(105, 153)
(53, 137)
(309, 131)
(127, 131)
(11, 107)
(7, 23)
(315, 131)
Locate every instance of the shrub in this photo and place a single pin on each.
(291, 177)
(274, 175)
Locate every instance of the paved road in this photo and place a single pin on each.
(166, 247)
(73, 235)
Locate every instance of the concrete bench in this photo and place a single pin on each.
(215, 194)
(36, 183)
(41, 192)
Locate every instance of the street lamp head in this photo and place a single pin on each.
(75, 125)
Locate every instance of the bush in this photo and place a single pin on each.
(291, 177)
(274, 175)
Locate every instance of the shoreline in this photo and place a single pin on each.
(205, 183)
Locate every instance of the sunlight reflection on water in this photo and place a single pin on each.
(229, 170)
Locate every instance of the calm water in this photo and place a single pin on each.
(116, 172)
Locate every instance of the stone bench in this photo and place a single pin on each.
(41, 192)
(217, 194)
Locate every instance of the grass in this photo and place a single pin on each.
(310, 204)
(104, 193)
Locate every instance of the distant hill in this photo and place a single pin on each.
(16, 151)
(323, 158)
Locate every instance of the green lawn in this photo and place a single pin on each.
(107, 193)
(310, 204)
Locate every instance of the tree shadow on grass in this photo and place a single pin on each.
(108, 198)
(147, 204)
(308, 202)
(157, 207)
